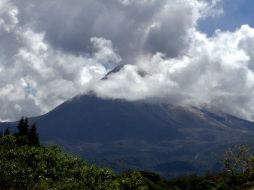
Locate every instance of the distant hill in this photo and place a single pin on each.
(142, 135)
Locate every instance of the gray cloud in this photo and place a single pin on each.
(53, 50)
(35, 76)
(131, 25)
(216, 71)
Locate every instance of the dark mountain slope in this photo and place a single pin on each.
(141, 135)
(91, 119)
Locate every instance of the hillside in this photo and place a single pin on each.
(27, 165)
(143, 135)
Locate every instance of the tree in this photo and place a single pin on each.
(23, 126)
(7, 132)
(33, 136)
(236, 158)
(42, 168)
(23, 129)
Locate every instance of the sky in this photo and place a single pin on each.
(236, 13)
(183, 52)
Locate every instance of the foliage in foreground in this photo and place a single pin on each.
(34, 167)
(26, 167)
(24, 164)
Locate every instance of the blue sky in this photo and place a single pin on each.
(236, 13)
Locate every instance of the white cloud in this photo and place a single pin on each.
(8, 16)
(38, 77)
(49, 54)
(105, 54)
(217, 71)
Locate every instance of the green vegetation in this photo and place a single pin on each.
(30, 167)
(24, 164)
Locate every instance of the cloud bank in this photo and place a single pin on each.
(51, 51)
